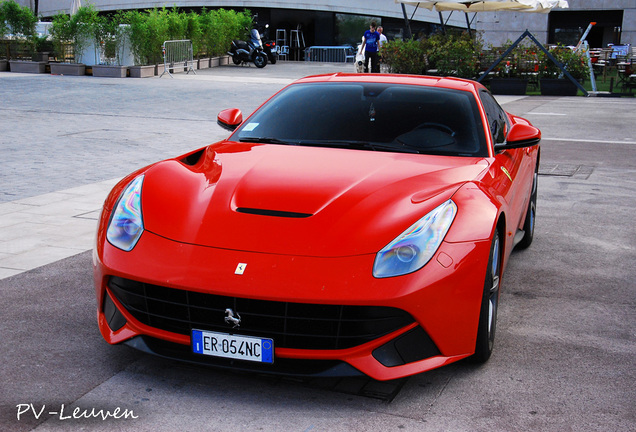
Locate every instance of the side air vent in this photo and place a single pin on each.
(275, 213)
(193, 158)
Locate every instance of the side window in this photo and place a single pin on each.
(497, 119)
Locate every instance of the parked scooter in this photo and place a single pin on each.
(269, 47)
(250, 51)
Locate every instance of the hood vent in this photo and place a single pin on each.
(275, 213)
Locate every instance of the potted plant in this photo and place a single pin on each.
(512, 73)
(110, 41)
(148, 31)
(72, 35)
(20, 21)
(553, 81)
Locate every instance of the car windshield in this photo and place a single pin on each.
(370, 116)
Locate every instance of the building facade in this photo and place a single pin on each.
(615, 24)
(336, 22)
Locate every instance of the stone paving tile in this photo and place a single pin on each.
(5, 273)
(39, 230)
(29, 260)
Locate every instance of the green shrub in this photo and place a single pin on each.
(148, 32)
(220, 27)
(450, 54)
(176, 24)
(405, 57)
(193, 32)
(574, 62)
(454, 54)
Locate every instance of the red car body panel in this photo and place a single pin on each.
(358, 201)
(354, 193)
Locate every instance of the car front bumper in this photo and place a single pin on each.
(443, 299)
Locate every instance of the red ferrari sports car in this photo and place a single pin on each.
(353, 224)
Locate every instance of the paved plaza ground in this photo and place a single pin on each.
(565, 357)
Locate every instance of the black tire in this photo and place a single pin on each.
(236, 60)
(272, 58)
(260, 60)
(489, 305)
(528, 225)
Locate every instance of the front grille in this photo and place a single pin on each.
(291, 325)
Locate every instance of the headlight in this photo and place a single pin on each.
(412, 249)
(126, 224)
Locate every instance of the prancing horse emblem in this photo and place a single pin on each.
(232, 318)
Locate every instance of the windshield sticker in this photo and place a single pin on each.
(250, 127)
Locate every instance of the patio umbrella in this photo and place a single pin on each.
(468, 6)
(474, 6)
(541, 6)
(75, 5)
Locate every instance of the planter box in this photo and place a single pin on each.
(215, 62)
(557, 87)
(509, 86)
(108, 71)
(74, 69)
(142, 71)
(3, 65)
(222, 61)
(27, 66)
(41, 56)
(204, 63)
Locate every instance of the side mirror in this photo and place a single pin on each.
(520, 135)
(230, 119)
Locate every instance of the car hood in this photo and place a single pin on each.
(297, 200)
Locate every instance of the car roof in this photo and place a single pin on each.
(421, 80)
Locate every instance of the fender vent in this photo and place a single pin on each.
(276, 213)
(193, 158)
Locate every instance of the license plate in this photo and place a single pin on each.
(233, 346)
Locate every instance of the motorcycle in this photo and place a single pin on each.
(250, 51)
(270, 48)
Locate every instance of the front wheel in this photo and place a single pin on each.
(489, 305)
(236, 60)
(260, 60)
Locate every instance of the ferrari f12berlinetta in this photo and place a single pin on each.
(353, 224)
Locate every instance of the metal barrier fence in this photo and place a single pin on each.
(177, 57)
(330, 54)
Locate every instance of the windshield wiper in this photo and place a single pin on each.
(266, 140)
(360, 145)
(344, 144)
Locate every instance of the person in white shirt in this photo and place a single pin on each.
(382, 37)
